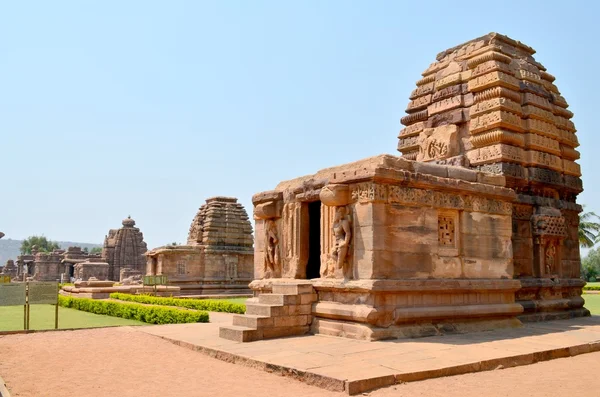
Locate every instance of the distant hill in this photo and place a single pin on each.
(10, 249)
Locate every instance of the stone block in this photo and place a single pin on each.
(446, 267)
(291, 321)
(295, 310)
(252, 321)
(491, 179)
(482, 246)
(462, 173)
(279, 332)
(278, 299)
(293, 289)
(431, 169)
(480, 223)
(306, 299)
(260, 309)
(402, 265)
(240, 334)
(487, 268)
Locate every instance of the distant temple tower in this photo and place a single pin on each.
(218, 257)
(124, 248)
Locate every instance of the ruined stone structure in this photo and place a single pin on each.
(91, 268)
(218, 257)
(10, 269)
(124, 248)
(51, 266)
(474, 227)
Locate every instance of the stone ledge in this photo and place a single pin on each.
(446, 285)
(461, 353)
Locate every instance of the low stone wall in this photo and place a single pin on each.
(104, 292)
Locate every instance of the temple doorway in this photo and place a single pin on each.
(313, 267)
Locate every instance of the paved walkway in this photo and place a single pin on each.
(356, 366)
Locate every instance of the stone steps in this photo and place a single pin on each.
(285, 312)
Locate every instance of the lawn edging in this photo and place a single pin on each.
(195, 304)
(134, 311)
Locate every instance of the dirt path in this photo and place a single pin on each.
(125, 362)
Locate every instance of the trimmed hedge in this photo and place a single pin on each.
(591, 288)
(146, 314)
(211, 305)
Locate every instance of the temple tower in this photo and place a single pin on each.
(488, 105)
(124, 248)
(218, 257)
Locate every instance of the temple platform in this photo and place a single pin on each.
(356, 366)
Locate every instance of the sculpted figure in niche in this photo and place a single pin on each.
(342, 233)
(550, 258)
(272, 264)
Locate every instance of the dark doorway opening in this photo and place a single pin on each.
(71, 271)
(313, 267)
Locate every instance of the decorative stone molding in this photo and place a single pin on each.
(544, 225)
(335, 195)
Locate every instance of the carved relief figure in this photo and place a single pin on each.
(550, 258)
(342, 233)
(272, 264)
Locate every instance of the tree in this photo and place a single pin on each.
(41, 243)
(589, 229)
(590, 265)
(96, 250)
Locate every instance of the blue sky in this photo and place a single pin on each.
(147, 108)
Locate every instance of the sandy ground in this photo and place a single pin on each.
(125, 362)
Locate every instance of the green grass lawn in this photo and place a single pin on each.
(594, 284)
(592, 303)
(42, 317)
(236, 300)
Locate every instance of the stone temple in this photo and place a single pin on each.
(218, 257)
(474, 227)
(124, 248)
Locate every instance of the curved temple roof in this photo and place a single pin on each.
(488, 104)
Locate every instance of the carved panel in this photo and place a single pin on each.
(493, 79)
(446, 231)
(492, 66)
(451, 91)
(496, 153)
(438, 143)
(406, 195)
(522, 212)
(536, 100)
(496, 119)
(422, 90)
(418, 104)
(533, 157)
(368, 192)
(445, 105)
(414, 129)
(496, 104)
(546, 225)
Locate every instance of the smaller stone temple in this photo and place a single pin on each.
(218, 257)
(124, 248)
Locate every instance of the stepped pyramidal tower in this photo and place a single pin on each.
(218, 257)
